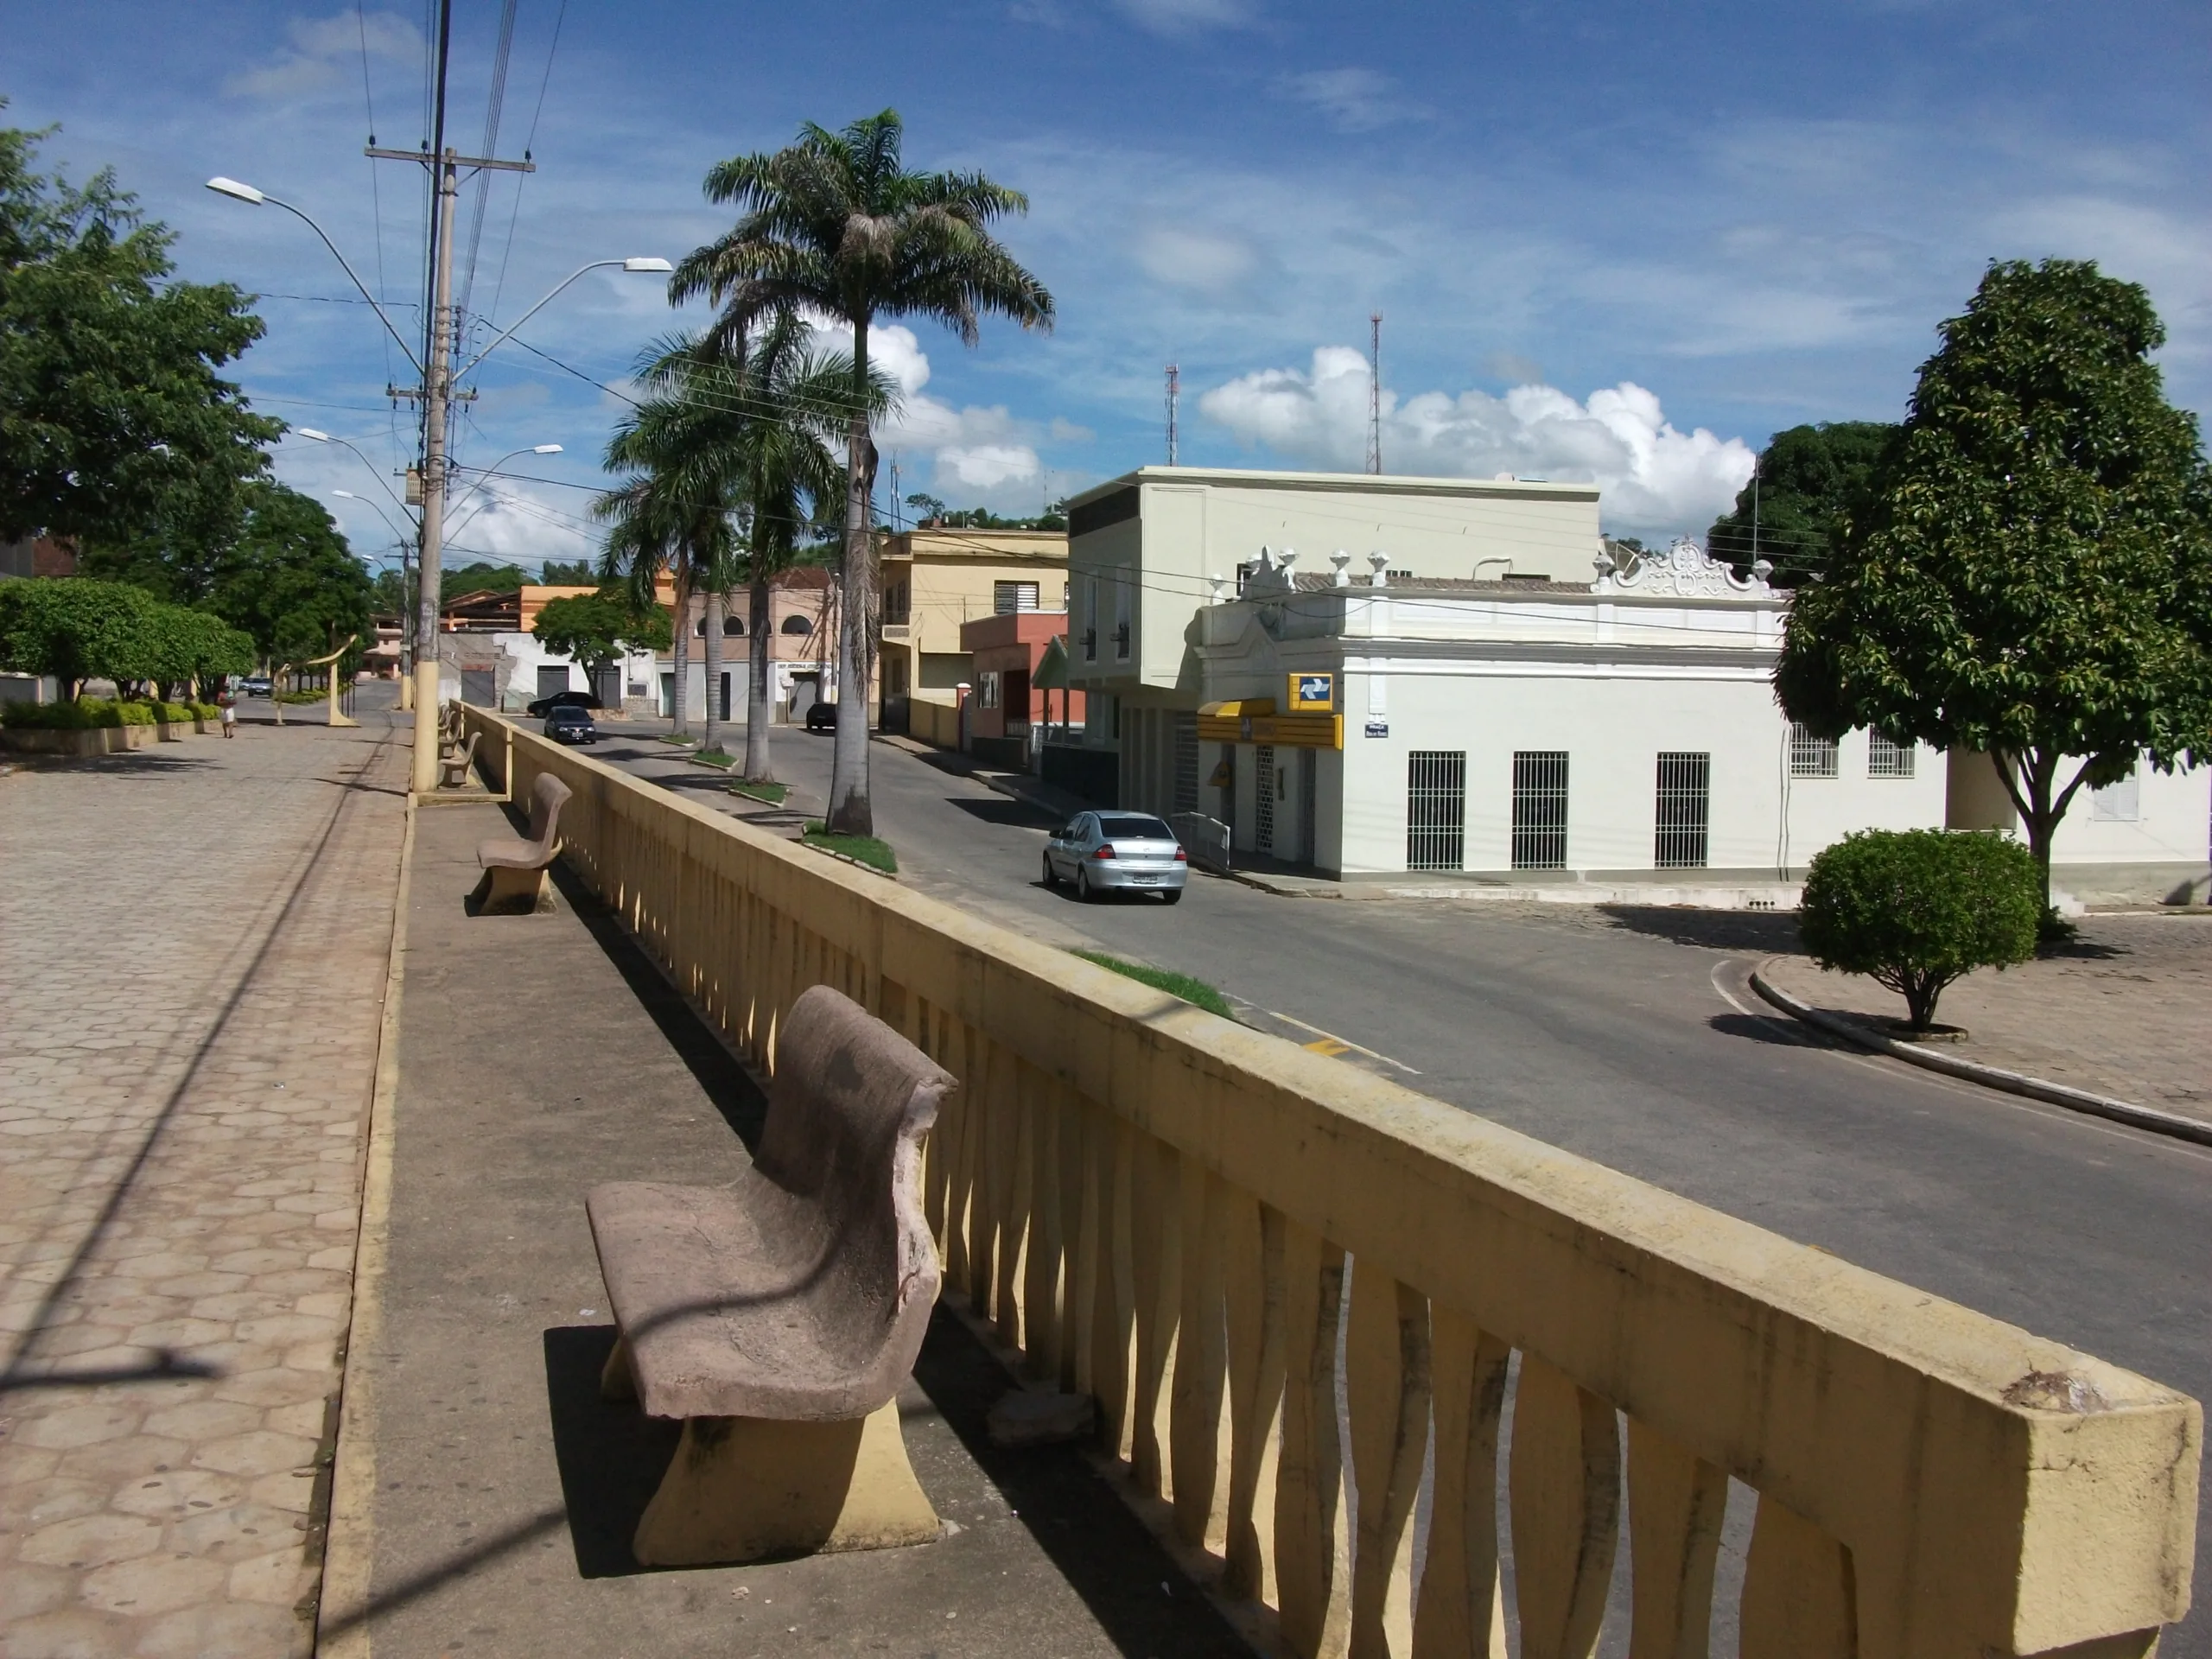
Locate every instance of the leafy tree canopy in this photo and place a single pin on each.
(284, 575)
(78, 628)
(578, 574)
(596, 629)
(1809, 478)
(929, 513)
(2031, 575)
(110, 404)
(480, 577)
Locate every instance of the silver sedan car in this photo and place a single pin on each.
(1102, 850)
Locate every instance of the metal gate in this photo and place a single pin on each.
(1309, 813)
(1540, 809)
(1263, 798)
(1187, 762)
(480, 686)
(1436, 809)
(1685, 809)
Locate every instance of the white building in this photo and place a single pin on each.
(1473, 701)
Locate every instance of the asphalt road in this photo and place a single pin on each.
(1627, 1038)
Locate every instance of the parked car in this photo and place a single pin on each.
(821, 717)
(545, 706)
(1104, 851)
(570, 724)
(255, 685)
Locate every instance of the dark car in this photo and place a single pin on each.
(821, 717)
(567, 723)
(545, 706)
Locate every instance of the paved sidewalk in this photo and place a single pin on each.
(197, 942)
(486, 1495)
(2126, 1012)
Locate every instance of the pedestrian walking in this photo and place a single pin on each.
(229, 703)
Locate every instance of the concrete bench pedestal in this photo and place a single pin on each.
(777, 1316)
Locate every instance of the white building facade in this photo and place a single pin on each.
(1507, 699)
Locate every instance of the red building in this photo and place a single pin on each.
(1004, 696)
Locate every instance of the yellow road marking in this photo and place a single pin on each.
(1329, 1047)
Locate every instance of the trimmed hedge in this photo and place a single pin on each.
(1916, 909)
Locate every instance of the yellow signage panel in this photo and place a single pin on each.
(1284, 731)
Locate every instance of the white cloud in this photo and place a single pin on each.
(1180, 17)
(1354, 100)
(320, 46)
(986, 466)
(980, 449)
(1204, 260)
(1655, 479)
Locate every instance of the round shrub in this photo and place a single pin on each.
(1915, 909)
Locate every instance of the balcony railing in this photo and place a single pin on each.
(1191, 1222)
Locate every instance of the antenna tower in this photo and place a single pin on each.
(1375, 391)
(1174, 397)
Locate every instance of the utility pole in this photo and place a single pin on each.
(1174, 397)
(436, 394)
(1375, 391)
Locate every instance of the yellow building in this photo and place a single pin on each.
(933, 580)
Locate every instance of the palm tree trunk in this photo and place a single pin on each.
(760, 681)
(851, 812)
(710, 717)
(680, 647)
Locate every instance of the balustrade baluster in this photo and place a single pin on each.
(987, 1178)
(1113, 1308)
(1309, 1477)
(1156, 1259)
(1252, 1288)
(1387, 1379)
(1566, 1487)
(1072, 1324)
(1460, 1611)
(1020, 1135)
(1800, 1596)
(1040, 1326)
(1676, 1504)
(1201, 1363)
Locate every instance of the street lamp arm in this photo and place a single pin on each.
(314, 437)
(634, 264)
(404, 535)
(305, 219)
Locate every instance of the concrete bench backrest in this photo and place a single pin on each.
(849, 1104)
(547, 797)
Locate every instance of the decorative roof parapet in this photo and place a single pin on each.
(1684, 571)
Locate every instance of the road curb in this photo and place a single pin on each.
(2012, 1082)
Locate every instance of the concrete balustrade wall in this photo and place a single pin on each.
(1187, 1219)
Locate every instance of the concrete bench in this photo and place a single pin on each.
(456, 762)
(514, 866)
(778, 1316)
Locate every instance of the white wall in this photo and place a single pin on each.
(1612, 729)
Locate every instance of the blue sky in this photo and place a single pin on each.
(1623, 241)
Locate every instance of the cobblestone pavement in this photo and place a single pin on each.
(197, 941)
(2122, 1013)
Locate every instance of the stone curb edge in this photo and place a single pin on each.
(2014, 1083)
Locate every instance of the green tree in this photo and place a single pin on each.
(479, 577)
(557, 574)
(2032, 574)
(834, 223)
(1809, 478)
(1917, 909)
(75, 629)
(596, 629)
(112, 417)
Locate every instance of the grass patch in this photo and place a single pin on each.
(866, 849)
(297, 698)
(768, 794)
(721, 758)
(681, 742)
(1194, 991)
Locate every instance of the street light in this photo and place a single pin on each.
(638, 264)
(247, 193)
(438, 378)
(485, 473)
(314, 437)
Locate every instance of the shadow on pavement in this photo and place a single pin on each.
(1000, 809)
(726, 1083)
(1766, 931)
(1764, 1028)
(611, 1455)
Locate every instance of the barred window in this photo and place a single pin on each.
(1008, 597)
(1436, 809)
(1685, 810)
(1811, 756)
(1540, 809)
(1886, 757)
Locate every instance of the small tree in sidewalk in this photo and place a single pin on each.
(1917, 909)
(596, 629)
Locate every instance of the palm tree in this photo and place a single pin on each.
(677, 510)
(757, 418)
(834, 223)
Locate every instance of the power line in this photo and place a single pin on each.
(529, 147)
(495, 102)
